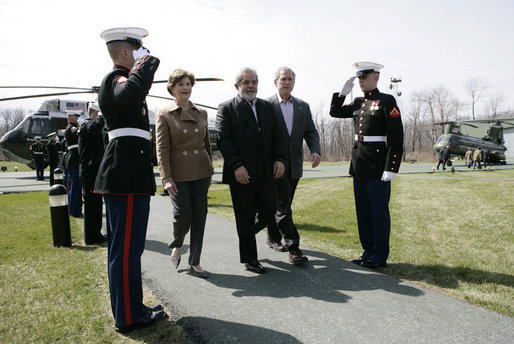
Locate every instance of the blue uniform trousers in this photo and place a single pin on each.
(127, 220)
(372, 206)
(40, 169)
(74, 191)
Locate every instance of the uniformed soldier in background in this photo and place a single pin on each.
(376, 157)
(91, 150)
(53, 147)
(71, 163)
(126, 177)
(38, 153)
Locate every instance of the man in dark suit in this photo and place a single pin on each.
(254, 152)
(295, 121)
(376, 158)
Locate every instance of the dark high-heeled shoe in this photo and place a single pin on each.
(200, 274)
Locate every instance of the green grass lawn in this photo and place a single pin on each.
(57, 295)
(451, 233)
(11, 165)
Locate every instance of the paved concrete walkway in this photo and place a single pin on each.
(328, 301)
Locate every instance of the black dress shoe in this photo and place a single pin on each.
(296, 257)
(255, 266)
(98, 241)
(372, 264)
(358, 261)
(148, 319)
(277, 246)
(153, 308)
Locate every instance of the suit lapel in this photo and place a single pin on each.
(246, 112)
(278, 110)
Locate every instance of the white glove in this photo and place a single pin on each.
(139, 52)
(388, 176)
(347, 88)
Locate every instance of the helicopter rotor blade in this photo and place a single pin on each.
(53, 87)
(168, 98)
(197, 79)
(471, 125)
(44, 95)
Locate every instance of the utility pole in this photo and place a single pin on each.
(396, 94)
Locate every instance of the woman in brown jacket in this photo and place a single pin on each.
(185, 164)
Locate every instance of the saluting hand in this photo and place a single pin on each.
(171, 188)
(242, 176)
(278, 169)
(347, 88)
(140, 52)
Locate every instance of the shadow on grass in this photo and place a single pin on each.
(316, 228)
(447, 276)
(86, 248)
(163, 331)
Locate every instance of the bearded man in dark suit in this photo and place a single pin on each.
(254, 152)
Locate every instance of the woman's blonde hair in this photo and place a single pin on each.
(177, 75)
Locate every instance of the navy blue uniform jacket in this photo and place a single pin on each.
(375, 114)
(126, 166)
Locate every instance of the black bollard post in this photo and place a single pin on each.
(60, 217)
(58, 176)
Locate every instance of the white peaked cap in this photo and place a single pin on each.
(131, 34)
(366, 67)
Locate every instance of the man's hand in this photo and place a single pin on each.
(242, 176)
(140, 52)
(315, 159)
(388, 176)
(171, 188)
(278, 169)
(347, 88)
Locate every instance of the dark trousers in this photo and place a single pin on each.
(283, 224)
(40, 169)
(74, 191)
(52, 168)
(372, 205)
(127, 221)
(254, 208)
(441, 162)
(92, 206)
(190, 211)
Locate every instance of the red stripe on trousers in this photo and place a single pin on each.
(126, 250)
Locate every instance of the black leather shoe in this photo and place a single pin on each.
(255, 266)
(148, 319)
(277, 246)
(296, 257)
(154, 308)
(372, 264)
(358, 261)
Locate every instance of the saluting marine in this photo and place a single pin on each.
(38, 153)
(91, 150)
(53, 148)
(126, 177)
(376, 158)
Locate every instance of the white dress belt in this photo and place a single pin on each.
(362, 138)
(73, 146)
(129, 132)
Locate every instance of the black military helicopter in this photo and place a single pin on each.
(460, 140)
(52, 117)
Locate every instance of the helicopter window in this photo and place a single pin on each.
(39, 126)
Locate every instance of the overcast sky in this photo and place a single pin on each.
(426, 43)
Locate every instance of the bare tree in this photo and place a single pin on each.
(494, 103)
(475, 88)
(9, 118)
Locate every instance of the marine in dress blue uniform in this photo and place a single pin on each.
(71, 134)
(125, 176)
(38, 153)
(53, 147)
(376, 158)
(91, 150)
